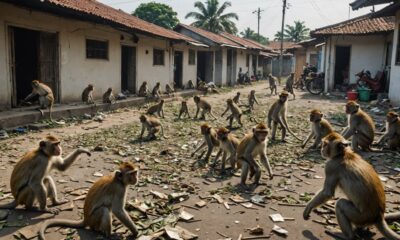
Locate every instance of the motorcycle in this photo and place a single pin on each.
(315, 83)
(375, 84)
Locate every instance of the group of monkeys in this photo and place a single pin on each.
(358, 180)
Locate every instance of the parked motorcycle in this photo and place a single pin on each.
(315, 83)
(375, 84)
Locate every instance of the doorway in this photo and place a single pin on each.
(230, 74)
(34, 55)
(128, 69)
(178, 69)
(205, 66)
(342, 65)
(254, 64)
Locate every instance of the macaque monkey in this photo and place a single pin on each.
(190, 85)
(320, 128)
(252, 99)
(210, 139)
(157, 108)
(106, 196)
(108, 96)
(45, 94)
(365, 196)
(31, 180)
(360, 127)
(392, 135)
(156, 91)
(277, 115)
(273, 81)
(169, 90)
(184, 110)
(236, 112)
(204, 106)
(236, 98)
(228, 143)
(87, 94)
(201, 86)
(143, 90)
(252, 145)
(289, 85)
(153, 126)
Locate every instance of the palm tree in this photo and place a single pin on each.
(248, 33)
(211, 18)
(296, 33)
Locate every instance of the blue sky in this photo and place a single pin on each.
(315, 13)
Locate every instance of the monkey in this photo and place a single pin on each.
(210, 139)
(236, 99)
(190, 85)
(204, 105)
(320, 128)
(360, 127)
(273, 84)
(236, 112)
(143, 90)
(392, 135)
(169, 90)
(365, 196)
(153, 126)
(87, 94)
(46, 97)
(201, 86)
(31, 180)
(252, 99)
(277, 115)
(184, 110)
(253, 144)
(228, 143)
(156, 91)
(106, 196)
(108, 96)
(157, 108)
(289, 85)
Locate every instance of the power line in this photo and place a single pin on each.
(258, 11)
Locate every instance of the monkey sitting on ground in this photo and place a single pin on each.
(236, 112)
(252, 145)
(320, 128)
(169, 90)
(204, 106)
(45, 94)
(228, 143)
(210, 139)
(153, 126)
(365, 196)
(236, 99)
(392, 135)
(190, 85)
(87, 94)
(108, 96)
(143, 90)
(252, 99)
(156, 93)
(289, 85)
(31, 180)
(106, 196)
(360, 127)
(277, 115)
(273, 81)
(184, 110)
(157, 108)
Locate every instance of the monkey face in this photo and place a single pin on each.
(50, 146)
(196, 99)
(261, 136)
(333, 145)
(315, 117)
(222, 134)
(205, 129)
(283, 98)
(352, 107)
(35, 83)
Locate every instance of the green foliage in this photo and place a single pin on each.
(157, 13)
(211, 17)
(252, 35)
(295, 33)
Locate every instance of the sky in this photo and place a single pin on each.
(315, 13)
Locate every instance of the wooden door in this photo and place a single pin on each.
(48, 62)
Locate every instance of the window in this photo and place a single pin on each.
(96, 49)
(398, 49)
(247, 60)
(158, 57)
(192, 57)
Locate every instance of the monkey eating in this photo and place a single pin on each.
(236, 112)
(143, 90)
(30, 179)
(392, 135)
(277, 115)
(360, 127)
(273, 81)
(320, 128)
(45, 94)
(365, 196)
(87, 94)
(210, 139)
(107, 196)
(157, 108)
(108, 96)
(252, 145)
(152, 125)
(252, 99)
(205, 106)
(156, 93)
(228, 144)
(169, 90)
(184, 110)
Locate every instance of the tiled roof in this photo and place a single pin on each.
(241, 41)
(211, 36)
(358, 26)
(94, 9)
(264, 47)
(276, 45)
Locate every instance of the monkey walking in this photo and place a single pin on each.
(106, 196)
(320, 128)
(205, 106)
(184, 110)
(273, 81)
(228, 143)
(31, 180)
(152, 125)
(365, 196)
(289, 85)
(46, 97)
(210, 139)
(252, 99)
(157, 108)
(392, 135)
(236, 99)
(236, 112)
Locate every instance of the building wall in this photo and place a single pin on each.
(394, 87)
(189, 72)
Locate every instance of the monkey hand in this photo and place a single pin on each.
(54, 211)
(306, 213)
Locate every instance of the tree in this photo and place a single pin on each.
(296, 33)
(157, 13)
(250, 34)
(211, 17)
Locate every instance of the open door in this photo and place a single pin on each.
(178, 69)
(229, 67)
(128, 69)
(342, 65)
(48, 62)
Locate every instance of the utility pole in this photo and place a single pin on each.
(258, 11)
(282, 29)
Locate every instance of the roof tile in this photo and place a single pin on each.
(210, 35)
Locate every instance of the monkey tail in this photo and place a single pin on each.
(61, 223)
(386, 231)
(289, 130)
(392, 216)
(162, 132)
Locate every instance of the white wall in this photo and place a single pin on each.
(394, 87)
(189, 72)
